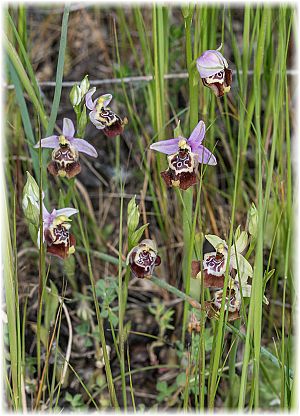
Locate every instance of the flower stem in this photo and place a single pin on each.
(188, 241)
(110, 383)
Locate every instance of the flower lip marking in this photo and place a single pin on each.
(182, 169)
(231, 303)
(214, 264)
(214, 71)
(102, 116)
(143, 258)
(218, 77)
(182, 161)
(193, 144)
(184, 156)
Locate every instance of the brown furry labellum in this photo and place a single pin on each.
(65, 161)
(114, 125)
(58, 238)
(143, 258)
(220, 83)
(214, 266)
(231, 303)
(182, 169)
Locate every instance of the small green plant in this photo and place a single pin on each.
(107, 293)
(76, 402)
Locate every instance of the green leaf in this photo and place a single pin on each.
(83, 329)
(25, 119)
(18, 66)
(104, 313)
(181, 379)
(133, 217)
(177, 130)
(136, 236)
(113, 319)
(83, 120)
(25, 57)
(162, 386)
(69, 269)
(51, 305)
(59, 71)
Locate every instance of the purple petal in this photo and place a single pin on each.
(197, 135)
(66, 211)
(204, 155)
(49, 142)
(46, 213)
(88, 99)
(84, 147)
(210, 63)
(96, 123)
(68, 128)
(106, 99)
(169, 147)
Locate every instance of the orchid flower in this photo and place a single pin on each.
(143, 258)
(65, 156)
(184, 156)
(214, 71)
(102, 116)
(232, 304)
(215, 263)
(56, 232)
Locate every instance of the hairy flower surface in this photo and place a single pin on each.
(232, 304)
(237, 260)
(214, 266)
(214, 72)
(184, 155)
(102, 116)
(143, 258)
(56, 232)
(65, 156)
(214, 263)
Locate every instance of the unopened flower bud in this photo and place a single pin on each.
(133, 216)
(75, 95)
(84, 86)
(252, 220)
(30, 202)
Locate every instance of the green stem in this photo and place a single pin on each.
(110, 383)
(120, 298)
(188, 240)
